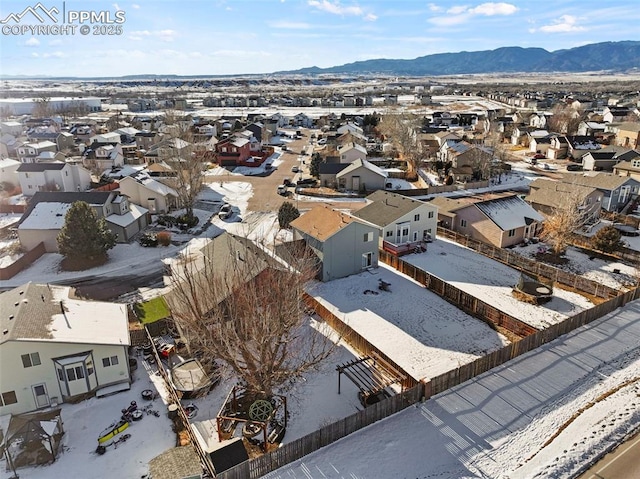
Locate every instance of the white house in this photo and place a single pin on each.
(55, 347)
(350, 152)
(111, 137)
(403, 222)
(350, 127)
(143, 190)
(9, 171)
(28, 152)
(35, 177)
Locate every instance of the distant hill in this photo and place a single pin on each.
(616, 56)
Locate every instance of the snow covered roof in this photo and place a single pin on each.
(41, 144)
(45, 216)
(8, 163)
(239, 142)
(509, 213)
(48, 312)
(132, 216)
(148, 182)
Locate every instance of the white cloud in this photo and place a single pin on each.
(434, 8)
(117, 7)
(336, 8)
(490, 9)
(566, 23)
(135, 6)
(290, 25)
(56, 54)
(55, 42)
(32, 42)
(458, 9)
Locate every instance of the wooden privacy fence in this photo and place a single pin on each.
(464, 301)
(532, 267)
(294, 450)
(351, 337)
(481, 365)
(22, 262)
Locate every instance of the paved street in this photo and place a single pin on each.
(622, 463)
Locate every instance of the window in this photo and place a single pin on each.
(31, 359)
(112, 361)
(368, 237)
(415, 236)
(75, 373)
(405, 231)
(367, 260)
(416, 217)
(8, 398)
(60, 374)
(430, 214)
(389, 233)
(512, 233)
(463, 223)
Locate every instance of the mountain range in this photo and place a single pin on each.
(614, 56)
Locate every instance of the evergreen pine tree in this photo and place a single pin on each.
(84, 235)
(286, 214)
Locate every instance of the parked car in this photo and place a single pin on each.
(282, 190)
(287, 182)
(295, 169)
(307, 182)
(225, 212)
(574, 167)
(539, 156)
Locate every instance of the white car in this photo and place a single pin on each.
(225, 212)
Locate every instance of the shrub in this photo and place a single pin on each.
(186, 221)
(148, 240)
(166, 220)
(607, 239)
(164, 238)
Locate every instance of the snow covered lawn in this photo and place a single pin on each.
(421, 332)
(496, 425)
(492, 281)
(83, 423)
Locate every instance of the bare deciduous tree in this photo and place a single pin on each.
(402, 130)
(187, 164)
(237, 304)
(569, 215)
(566, 119)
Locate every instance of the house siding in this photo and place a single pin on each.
(29, 239)
(140, 195)
(343, 251)
(15, 377)
(478, 226)
(423, 224)
(366, 179)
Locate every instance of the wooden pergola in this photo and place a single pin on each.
(371, 374)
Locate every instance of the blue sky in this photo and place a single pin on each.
(217, 37)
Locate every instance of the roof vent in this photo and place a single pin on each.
(21, 292)
(5, 331)
(17, 303)
(11, 316)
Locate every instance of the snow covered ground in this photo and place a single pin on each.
(496, 425)
(492, 282)
(426, 339)
(83, 423)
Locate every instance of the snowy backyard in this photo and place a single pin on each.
(492, 282)
(497, 424)
(426, 339)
